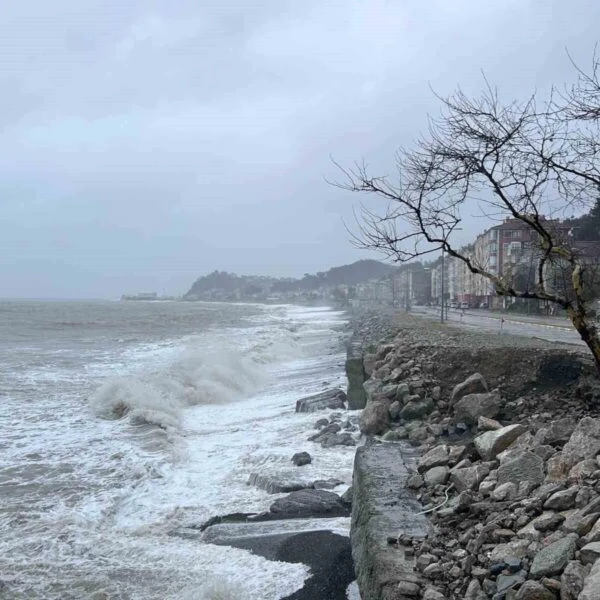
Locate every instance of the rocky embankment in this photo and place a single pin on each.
(507, 474)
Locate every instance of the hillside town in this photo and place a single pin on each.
(507, 250)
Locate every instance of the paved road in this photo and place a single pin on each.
(554, 329)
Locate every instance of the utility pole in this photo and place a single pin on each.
(442, 286)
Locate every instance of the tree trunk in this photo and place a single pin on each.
(588, 331)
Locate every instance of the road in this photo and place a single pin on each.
(554, 329)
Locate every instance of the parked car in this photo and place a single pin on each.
(464, 305)
(453, 304)
(483, 305)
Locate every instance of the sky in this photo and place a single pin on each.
(144, 143)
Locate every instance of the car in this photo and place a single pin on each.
(464, 305)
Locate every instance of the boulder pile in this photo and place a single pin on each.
(509, 473)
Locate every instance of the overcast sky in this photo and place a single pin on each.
(146, 142)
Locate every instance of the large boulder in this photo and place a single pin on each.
(572, 580)
(559, 431)
(584, 441)
(375, 418)
(469, 478)
(279, 483)
(475, 384)
(591, 585)
(472, 406)
(417, 409)
(491, 443)
(552, 559)
(333, 398)
(532, 590)
(526, 466)
(309, 503)
(436, 457)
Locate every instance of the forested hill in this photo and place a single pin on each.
(221, 283)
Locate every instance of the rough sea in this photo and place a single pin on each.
(124, 423)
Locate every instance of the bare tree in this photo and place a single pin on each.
(531, 161)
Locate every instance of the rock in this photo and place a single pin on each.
(375, 418)
(512, 549)
(559, 431)
(408, 588)
(548, 521)
(395, 408)
(590, 553)
(508, 582)
(333, 398)
(491, 443)
(485, 424)
(526, 466)
(415, 481)
(532, 590)
(558, 467)
(505, 491)
(472, 406)
(594, 533)
(327, 484)
(322, 423)
(402, 392)
(301, 458)
(468, 478)
(346, 497)
(584, 441)
(278, 484)
(436, 476)
(562, 500)
(474, 384)
(474, 591)
(582, 470)
(417, 409)
(309, 503)
(591, 586)
(436, 457)
(433, 594)
(343, 439)
(552, 559)
(572, 580)
(579, 523)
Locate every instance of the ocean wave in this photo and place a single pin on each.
(194, 376)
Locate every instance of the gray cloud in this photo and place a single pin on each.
(144, 143)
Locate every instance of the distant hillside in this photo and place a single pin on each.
(220, 284)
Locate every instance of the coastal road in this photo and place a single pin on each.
(554, 329)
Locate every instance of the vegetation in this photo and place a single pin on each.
(536, 161)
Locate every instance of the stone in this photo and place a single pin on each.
(327, 484)
(562, 500)
(508, 582)
(485, 424)
(433, 594)
(590, 553)
(558, 467)
(472, 406)
(533, 590)
(544, 451)
(332, 398)
(301, 458)
(591, 586)
(559, 431)
(415, 481)
(572, 580)
(513, 549)
(436, 457)
(472, 385)
(402, 392)
(526, 466)
(468, 478)
(322, 423)
(436, 476)
(594, 534)
(409, 588)
(395, 408)
(505, 491)
(584, 441)
(375, 418)
(474, 591)
(278, 484)
(491, 443)
(579, 523)
(582, 470)
(552, 559)
(456, 453)
(417, 409)
(309, 503)
(548, 521)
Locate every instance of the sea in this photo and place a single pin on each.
(124, 424)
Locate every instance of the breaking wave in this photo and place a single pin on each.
(196, 375)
